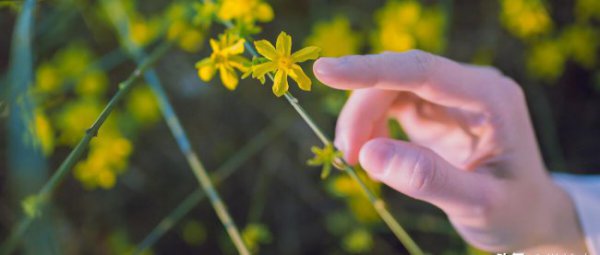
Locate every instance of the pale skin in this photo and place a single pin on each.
(472, 150)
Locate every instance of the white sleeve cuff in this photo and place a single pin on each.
(585, 193)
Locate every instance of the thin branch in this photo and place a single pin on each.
(341, 164)
(46, 191)
(221, 174)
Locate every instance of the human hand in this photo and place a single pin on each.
(473, 151)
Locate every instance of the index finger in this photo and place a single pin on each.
(433, 78)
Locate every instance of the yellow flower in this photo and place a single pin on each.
(142, 105)
(281, 61)
(586, 9)
(335, 38)
(93, 83)
(48, 78)
(189, 35)
(525, 18)
(143, 31)
(581, 43)
(344, 186)
(44, 132)
(225, 58)
(75, 118)
(107, 158)
(74, 60)
(404, 25)
(358, 241)
(546, 60)
(245, 10)
(255, 234)
(204, 13)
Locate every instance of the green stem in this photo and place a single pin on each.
(377, 203)
(11, 242)
(120, 22)
(46, 191)
(222, 173)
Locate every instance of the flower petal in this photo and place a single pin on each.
(239, 62)
(266, 49)
(206, 73)
(228, 77)
(235, 49)
(214, 45)
(206, 69)
(284, 44)
(261, 69)
(204, 62)
(280, 84)
(264, 12)
(300, 77)
(308, 53)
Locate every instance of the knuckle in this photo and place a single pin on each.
(425, 61)
(422, 173)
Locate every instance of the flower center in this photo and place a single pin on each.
(219, 58)
(284, 63)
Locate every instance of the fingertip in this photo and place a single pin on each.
(323, 66)
(376, 155)
(323, 69)
(339, 73)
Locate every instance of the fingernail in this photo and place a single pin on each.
(324, 66)
(375, 156)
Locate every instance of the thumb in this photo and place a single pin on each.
(422, 174)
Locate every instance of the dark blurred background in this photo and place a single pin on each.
(133, 175)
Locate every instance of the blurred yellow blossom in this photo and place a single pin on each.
(525, 18)
(255, 234)
(581, 43)
(358, 241)
(204, 13)
(281, 61)
(143, 31)
(75, 118)
(106, 159)
(404, 25)
(245, 10)
(44, 132)
(188, 36)
(74, 59)
(545, 60)
(429, 31)
(344, 186)
(587, 9)
(226, 57)
(335, 37)
(48, 78)
(142, 105)
(93, 83)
